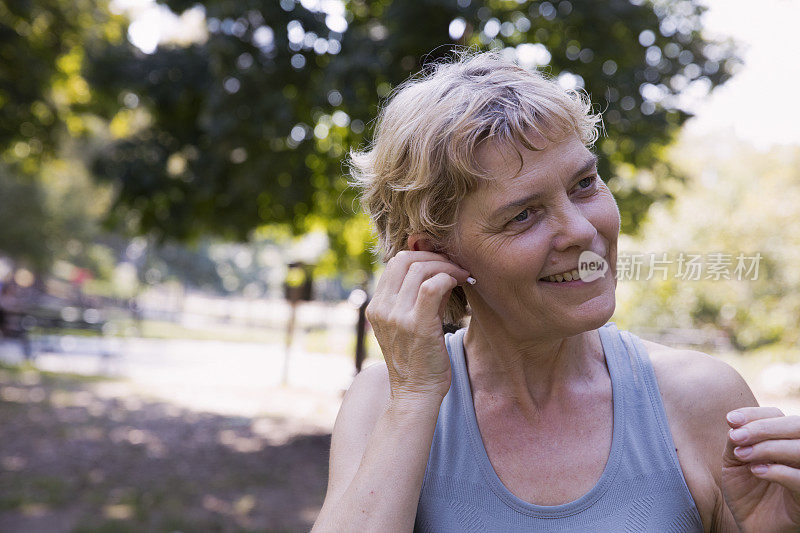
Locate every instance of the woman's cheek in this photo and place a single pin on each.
(610, 208)
(504, 251)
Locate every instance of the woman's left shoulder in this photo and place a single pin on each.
(698, 391)
(698, 384)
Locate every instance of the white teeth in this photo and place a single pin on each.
(566, 276)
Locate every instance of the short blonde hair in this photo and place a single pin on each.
(421, 162)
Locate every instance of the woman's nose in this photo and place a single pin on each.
(573, 229)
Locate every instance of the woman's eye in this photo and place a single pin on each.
(523, 216)
(586, 182)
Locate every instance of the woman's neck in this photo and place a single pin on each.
(536, 371)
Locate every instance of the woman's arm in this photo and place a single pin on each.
(382, 436)
(378, 455)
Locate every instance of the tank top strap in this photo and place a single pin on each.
(621, 357)
(454, 342)
(648, 413)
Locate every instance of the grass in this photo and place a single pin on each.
(19, 490)
(312, 339)
(47, 377)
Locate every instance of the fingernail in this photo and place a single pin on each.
(758, 469)
(471, 280)
(738, 434)
(743, 451)
(735, 417)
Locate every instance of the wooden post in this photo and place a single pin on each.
(361, 334)
(360, 300)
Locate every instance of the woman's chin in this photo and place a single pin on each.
(590, 315)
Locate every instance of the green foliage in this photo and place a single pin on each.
(21, 217)
(46, 217)
(249, 127)
(43, 98)
(42, 92)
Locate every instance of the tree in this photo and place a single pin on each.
(42, 48)
(721, 209)
(249, 127)
(43, 96)
(23, 219)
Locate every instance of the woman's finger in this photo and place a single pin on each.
(443, 304)
(418, 272)
(397, 267)
(783, 475)
(744, 415)
(783, 451)
(781, 427)
(431, 293)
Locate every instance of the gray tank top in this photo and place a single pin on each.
(641, 489)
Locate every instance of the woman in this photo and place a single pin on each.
(540, 415)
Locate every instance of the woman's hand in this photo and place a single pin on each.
(406, 314)
(761, 469)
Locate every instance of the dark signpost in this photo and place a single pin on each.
(298, 288)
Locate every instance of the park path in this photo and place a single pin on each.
(229, 378)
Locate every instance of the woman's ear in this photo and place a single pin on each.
(421, 242)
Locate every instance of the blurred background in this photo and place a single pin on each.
(184, 268)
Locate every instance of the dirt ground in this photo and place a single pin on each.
(75, 459)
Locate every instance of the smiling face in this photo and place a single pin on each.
(518, 228)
